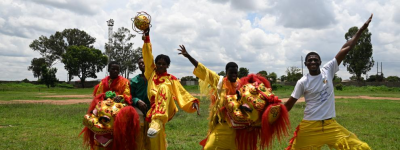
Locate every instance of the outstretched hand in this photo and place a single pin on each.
(196, 106)
(366, 24)
(183, 51)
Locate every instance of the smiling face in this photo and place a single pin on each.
(313, 62)
(232, 74)
(162, 66)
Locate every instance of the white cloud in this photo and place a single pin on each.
(260, 35)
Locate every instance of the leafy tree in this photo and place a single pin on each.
(393, 79)
(122, 51)
(189, 78)
(49, 76)
(337, 79)
(36, 66)
(359, 60)
(263, 73)
(283, 78)
(53, 47)
(272, 77)
(375, 78)
(84, 62)
(222, 73)
(293, 74)
(243, 72)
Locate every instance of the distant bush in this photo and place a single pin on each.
(25, 80)
(276, 86)
(339, 87)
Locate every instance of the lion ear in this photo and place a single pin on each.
(126, 128)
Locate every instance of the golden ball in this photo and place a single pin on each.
(141, 22)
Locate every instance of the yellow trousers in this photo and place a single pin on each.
(222, 137)
(312, 135)
(142, 141)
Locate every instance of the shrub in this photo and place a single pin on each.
(339, 87)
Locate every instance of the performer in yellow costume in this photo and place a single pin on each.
(318, 127)
(244, 114)
(163, 89)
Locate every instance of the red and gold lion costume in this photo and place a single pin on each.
(255, 113)
(110, 123)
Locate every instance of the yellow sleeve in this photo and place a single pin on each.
(99, 89)
(184, 99)
(127, 90)
(207, 75)
(148, 58)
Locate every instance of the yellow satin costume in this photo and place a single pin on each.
(220, 134)
(310, 135)
(162, 90)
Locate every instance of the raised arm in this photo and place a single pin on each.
(147, 53)
(352, 42)
(186, 54)
(200, 71)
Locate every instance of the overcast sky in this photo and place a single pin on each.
(268, 35)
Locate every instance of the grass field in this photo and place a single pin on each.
(45, 126)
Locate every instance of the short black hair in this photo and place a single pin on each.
(312, 53)
(113, 63)
(230, 64)
(139, 59)
(165, 57)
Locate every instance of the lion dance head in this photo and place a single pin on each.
(110, 123)
(256, 113)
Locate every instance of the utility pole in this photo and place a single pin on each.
(301, 65)
(110, 24)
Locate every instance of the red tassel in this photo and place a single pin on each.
(246, 139)
(126, 128)
(251, 78)
(279, 128)
(88, 138)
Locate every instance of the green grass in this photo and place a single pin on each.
(43, 126)
(28, 91)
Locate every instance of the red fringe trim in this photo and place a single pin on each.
(293, 138)
(251, 78)
(279, 128)
(126, 128)
(203, 142)
(246, 139)
(88, 138)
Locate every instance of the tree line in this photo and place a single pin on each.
(75, 49)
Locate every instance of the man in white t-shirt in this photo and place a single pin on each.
(318, 126)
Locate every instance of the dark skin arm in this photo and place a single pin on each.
(195, 63)
(186, 54)
(352, 42)
(142, 106)
(289, 104)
